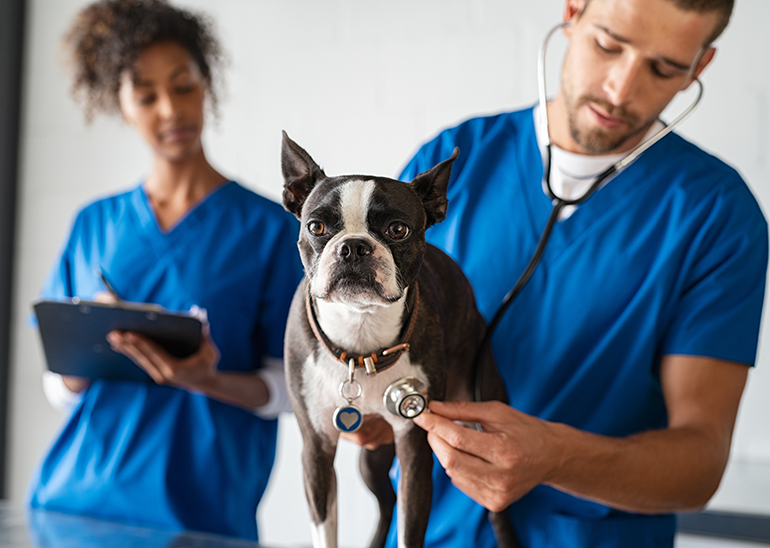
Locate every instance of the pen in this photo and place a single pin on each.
(108, 285)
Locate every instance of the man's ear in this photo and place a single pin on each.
(300, 175)
(573, 9)
(431, 187)
(706, 57)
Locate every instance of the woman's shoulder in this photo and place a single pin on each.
(110, 206)
(249, 212)
(251, 201)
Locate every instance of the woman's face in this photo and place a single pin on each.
(162, 96)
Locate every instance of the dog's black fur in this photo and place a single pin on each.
(446, 335)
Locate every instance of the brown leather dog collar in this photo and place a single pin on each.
(376, 361)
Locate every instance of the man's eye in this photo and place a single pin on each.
(397, 231)
(604, 47)
(665, 71)
(316, 228)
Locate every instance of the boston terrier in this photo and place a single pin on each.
(381, 324)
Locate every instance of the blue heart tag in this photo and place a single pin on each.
(347, 418)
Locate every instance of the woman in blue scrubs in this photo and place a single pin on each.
(194, 449)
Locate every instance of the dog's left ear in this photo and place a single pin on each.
(300, 175)
(431, 187)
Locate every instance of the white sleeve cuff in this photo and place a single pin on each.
(56, 392)
(272, 373)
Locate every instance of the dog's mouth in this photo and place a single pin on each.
(357, 287)
(352, 285)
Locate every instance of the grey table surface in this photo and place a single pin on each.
(20, 528)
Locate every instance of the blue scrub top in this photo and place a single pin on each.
(157, 455)
(668, 258)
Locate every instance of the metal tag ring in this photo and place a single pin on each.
(346, 382)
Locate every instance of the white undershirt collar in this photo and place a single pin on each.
(573, 174)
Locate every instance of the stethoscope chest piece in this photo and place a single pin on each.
(406, 398)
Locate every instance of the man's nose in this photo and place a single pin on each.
(622, 81)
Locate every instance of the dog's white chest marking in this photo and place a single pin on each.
(359, 332)
(321, 390)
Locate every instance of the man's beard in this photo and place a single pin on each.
(598, 140)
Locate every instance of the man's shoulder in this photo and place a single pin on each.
(504, 123)
(698, 158)
(473, 136)
(697, 166)
(702, 178)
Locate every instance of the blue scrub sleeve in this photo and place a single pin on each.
(58, 283)
(718, 313)
(285, 272)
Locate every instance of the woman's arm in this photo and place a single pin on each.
(197, 373)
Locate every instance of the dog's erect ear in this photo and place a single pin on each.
(300, 175)
(431, 186)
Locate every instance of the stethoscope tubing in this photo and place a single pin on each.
(558, 206)
(558, 202)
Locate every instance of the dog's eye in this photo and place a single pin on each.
(316, 228)
(397, 231)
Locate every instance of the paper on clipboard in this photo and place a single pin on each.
(74, 336)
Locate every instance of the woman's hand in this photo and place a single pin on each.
(374, 431)
(75, 384)
(195, 372)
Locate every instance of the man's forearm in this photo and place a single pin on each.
(657, 471)
(676, 468)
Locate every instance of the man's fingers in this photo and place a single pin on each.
(486, 413)
(455, 435)
(468, 473)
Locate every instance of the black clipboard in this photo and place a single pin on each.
(74, 336)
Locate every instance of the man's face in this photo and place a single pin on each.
(626, 61)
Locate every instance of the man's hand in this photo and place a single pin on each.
(656, 471)
(495, 467)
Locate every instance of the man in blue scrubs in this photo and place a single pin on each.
(626, 355)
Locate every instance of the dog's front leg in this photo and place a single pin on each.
(321, 489)
(375, 465)
(414, 487)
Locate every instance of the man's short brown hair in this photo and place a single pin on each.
(723, 7)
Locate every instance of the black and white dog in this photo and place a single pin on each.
(381, 322)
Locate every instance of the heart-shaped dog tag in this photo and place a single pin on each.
(347, 418)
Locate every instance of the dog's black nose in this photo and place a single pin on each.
(353, 249)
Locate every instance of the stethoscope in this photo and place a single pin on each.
(559, 203)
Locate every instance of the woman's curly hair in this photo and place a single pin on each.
(107, 37)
